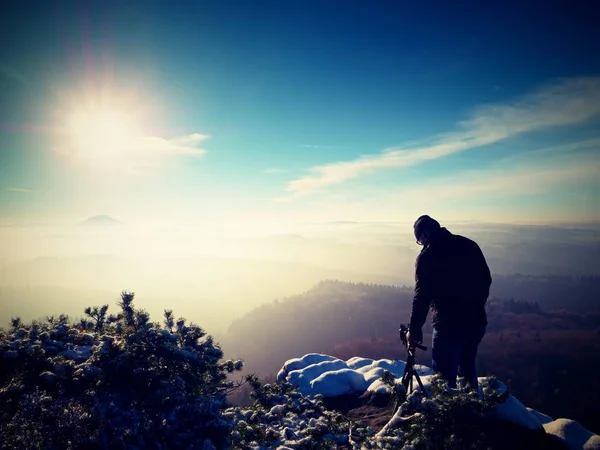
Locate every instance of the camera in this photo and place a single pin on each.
(409, 370)
(403, 331)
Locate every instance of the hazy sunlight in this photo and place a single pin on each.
(103, 132)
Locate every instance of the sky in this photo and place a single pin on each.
(255, 114)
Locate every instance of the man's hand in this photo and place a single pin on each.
(412, 342)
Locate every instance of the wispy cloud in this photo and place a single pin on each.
(566, 102)
(473, 191)
(275, 170)
(319, 146)
(19, 190)
(153, 153)
(571, 148)
(184, 145)
(500, 182)
(495, 193)
(140, 155)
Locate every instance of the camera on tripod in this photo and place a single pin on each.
(403, 331)
(409, 370)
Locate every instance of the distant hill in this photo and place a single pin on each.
(100, 221)
(329, 314)
(333, 313)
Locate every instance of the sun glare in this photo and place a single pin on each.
(102, 133)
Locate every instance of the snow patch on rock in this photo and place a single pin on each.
(302, 378)
(573, 434)
(301, 363)
(541, 417)
(316, 373)
(339, 382)
(512, 410)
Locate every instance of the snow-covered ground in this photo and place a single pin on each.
(317, 373)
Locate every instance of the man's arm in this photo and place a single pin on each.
(422, 298)
(485, 276)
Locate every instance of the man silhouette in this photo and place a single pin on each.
(453, 279)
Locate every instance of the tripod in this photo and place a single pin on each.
(409, 370)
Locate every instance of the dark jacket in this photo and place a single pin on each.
(453, 278)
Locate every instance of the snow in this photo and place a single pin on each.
(396, 367)
(21, 334)
(396, 421)
(301, 363)
(379, 387)
(573, 434)
(302, 378)
(278, 410)
(499, 386)
(371, 374)
(426, 380)
(316, 373)
(512, 410)
(78, 353)
(423, 371)
(357, 362)
(339, 382)
(87, 338)
(52, 345)
(541, 417)
(48, 377)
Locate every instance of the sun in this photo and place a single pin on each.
(102, 132)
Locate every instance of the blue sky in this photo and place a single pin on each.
(299, 111)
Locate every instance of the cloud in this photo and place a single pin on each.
(19, 190)
(566, 102)
(545, 180)
(509, 182)
(152, 153)
(316, 146)
(505, 182)
(320, 147)
(184, 145)
(139, 155)
(572, 148)
(191, 140)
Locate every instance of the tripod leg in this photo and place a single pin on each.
(407, 376)
(406, 380)
(420, 383)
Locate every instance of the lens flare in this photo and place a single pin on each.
(102, 133)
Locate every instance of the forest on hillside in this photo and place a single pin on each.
(547, 351)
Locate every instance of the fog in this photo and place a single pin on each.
(212, 276)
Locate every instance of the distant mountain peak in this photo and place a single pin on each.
(101, 221)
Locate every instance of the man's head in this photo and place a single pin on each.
(425, 228)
